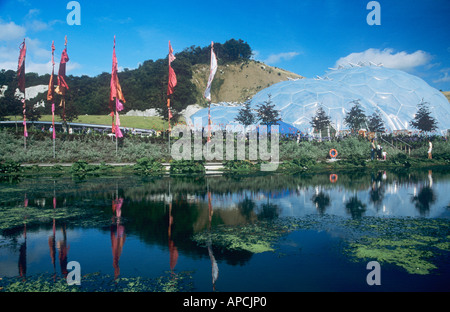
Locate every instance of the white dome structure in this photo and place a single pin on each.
(395, 93)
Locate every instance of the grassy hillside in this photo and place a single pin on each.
(236, 82)
(138, 122)
(447, 95)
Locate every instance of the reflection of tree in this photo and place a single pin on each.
(355, 207)
(424, 200)
(377, 190)
(321, 201)
(268, 212)
(246, 207)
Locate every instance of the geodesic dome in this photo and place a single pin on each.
(395, 93)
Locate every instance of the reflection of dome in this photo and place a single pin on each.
(394, 92)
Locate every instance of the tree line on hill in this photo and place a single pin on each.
(144, 87)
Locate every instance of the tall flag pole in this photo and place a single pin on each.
(207, 94)
(21, 83)
(62, 84)
(116, 97)
(51, 96)
(171, 86)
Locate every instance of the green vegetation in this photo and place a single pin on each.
(187, 167)
(143, 88)
(353, 152)
(254, 238)
(97, 282)
(137, 122)
(148, 166)
(409, 243)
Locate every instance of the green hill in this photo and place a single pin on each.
(238, 78)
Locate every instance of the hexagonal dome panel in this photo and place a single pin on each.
(395, 93)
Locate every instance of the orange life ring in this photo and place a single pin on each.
(333, 153)
(333, 178)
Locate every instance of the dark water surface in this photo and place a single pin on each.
(310, 232)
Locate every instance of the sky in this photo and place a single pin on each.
(306, 37)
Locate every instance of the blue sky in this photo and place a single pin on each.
(304, 36)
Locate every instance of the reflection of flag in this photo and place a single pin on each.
(211, 73)
(172, 75)
(21, 67)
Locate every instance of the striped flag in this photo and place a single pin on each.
(211, 73)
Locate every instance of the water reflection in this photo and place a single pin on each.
(117, 234)
(166, 212)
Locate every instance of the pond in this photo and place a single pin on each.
(249, 233)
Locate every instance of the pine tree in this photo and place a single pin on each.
(423, 120)
(376, 123)
(356, 117)
(321, 121)
(245, 116)
(267, 114)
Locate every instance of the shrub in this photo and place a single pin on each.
(148, 166)
(187, 166)
(240, 166)
(9, 166)
(400, 159)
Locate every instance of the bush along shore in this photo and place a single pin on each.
(87, 154)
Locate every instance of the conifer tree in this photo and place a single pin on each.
(245, 116)
(355, 118)
(321, 121)
(423, 120)
(376, 123)
(267, 114)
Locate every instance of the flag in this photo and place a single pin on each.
(116, 89)
(51, 84)
(21, 83)
(212, 72)
(172, 75)
(116, 96)
(21, 67)
(62, 84)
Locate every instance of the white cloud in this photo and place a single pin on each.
(275, 58)
(445, 77)
(389, 58)
(11, 31)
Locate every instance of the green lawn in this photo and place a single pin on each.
(155, 123)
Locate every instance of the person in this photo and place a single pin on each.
(430, 148)
(372, 149)
(379, 151)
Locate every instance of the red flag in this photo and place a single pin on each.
(21, 67)
(62, 84)
(172, 75)
(116, 89)
(51, 84)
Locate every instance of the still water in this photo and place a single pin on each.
(274, 233)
